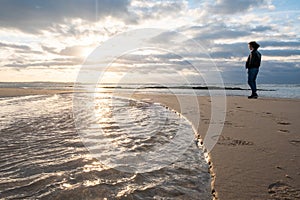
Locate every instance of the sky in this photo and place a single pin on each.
(150, 41)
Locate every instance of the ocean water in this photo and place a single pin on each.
(49, 152)
(264, 90)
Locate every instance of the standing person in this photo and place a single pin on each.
(252, 64)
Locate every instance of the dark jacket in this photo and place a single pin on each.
(253, 60)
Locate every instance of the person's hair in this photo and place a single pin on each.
(254, 45)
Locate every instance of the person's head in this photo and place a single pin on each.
(253, 45)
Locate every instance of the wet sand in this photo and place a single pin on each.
(13, 92)
(258, 154)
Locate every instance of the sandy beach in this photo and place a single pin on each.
(257, 155)
(13, 92)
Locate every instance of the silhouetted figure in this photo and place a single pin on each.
(252, 64)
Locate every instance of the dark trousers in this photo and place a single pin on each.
(252, 74)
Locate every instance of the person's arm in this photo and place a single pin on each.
(255, 59)
(248, 62)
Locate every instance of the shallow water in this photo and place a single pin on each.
(45, 156)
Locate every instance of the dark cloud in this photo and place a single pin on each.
(34, 15)
(261, 29)
(272, 43)
(281, 52)
(220, 30)
(202, 44)
(279, 72)
(270, 72)
(226, 51)
(241, 49)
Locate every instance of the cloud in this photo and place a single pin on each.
(152, 9)
(279, 72)
(221, 32)
(261, 28)
(270, 72)
(279, 52)
(222, 28)
(273, 43)
(237, 49)
(74, 50)
(15, 46)
(34, 15)
(230, 7)
(51, 50)
(45, 63)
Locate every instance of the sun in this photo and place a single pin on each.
(85, 51)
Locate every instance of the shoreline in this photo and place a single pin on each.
(257, 155)
(15, 92)
(264, 164)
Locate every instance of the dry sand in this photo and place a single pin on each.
(258, 154)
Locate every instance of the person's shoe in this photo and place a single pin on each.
(253, 96)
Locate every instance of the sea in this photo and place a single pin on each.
(120, 149)
(199, 89)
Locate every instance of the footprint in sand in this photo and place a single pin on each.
(284, 123)
(228, 141)
(284, 131)
(295, 142)
(280, 190)
(228, 123)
